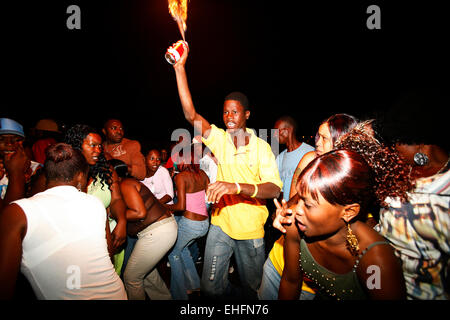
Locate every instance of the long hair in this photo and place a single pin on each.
(63, 163)
(101, 170)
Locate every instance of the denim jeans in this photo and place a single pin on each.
(271, 283)
(184, 275)
(249, 256)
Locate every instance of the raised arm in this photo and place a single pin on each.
(117, 209)
(196, 120)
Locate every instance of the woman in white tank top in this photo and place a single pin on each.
(58, 238)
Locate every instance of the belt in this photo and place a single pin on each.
(156, 224)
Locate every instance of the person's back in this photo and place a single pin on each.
(195, 184)
(65, 254)
(155, 210)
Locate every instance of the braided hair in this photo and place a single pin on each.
(101, 170)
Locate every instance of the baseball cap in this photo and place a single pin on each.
(9, 126)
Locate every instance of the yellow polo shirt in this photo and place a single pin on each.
(242, 217)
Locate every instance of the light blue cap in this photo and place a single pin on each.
(9, 126)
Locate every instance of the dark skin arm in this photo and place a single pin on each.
(117, 209)
(200, 124)
(13, 227)
(292, 277)
(181, 194)
(165, 199)
(217, 189)
(135, 205)
(15, 165)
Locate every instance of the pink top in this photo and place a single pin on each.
(195, 202)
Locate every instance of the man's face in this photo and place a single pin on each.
(282, 132)
(9, 144)
(234, 115)
(113, 131)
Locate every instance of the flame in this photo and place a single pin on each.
(178, 10)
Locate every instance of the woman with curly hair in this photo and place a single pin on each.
(102, 183)
(419, 230)
(329, 242)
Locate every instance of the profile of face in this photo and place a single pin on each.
(234, 115)
(153, 160)
(9, 144)
(91, 148)
(113, 131)
(317, 218)
(282, 132)
(324, 142)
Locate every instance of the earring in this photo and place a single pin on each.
(352, 241)
(421, 159)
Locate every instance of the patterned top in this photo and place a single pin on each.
(331, 285)
(419, 230)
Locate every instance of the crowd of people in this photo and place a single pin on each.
(362, 214)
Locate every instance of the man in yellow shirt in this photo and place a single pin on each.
(247, 175)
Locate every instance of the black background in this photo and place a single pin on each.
(308, 59)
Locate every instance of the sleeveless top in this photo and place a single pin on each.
(65, 254)
(331, 285)
(195, 202)
(100, 189)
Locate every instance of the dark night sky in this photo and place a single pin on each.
(309, 61)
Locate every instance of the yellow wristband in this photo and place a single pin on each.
(238, 188)
(256, 191)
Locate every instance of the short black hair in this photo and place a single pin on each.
(239, 96)
(120, 167)
(290, 121)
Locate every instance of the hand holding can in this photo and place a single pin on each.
(175, 52)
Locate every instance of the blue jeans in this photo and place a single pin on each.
(249, 256)
(184, 275)
(271, 283)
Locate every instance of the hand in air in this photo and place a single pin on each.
(282, 214)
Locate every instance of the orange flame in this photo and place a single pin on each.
(178, 10)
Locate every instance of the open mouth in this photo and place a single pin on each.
(231, 125)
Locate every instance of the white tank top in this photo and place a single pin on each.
(65, 254)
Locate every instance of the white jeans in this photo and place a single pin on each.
(140, 275)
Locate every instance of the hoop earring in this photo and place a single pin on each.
(421, 159)
(352, 241)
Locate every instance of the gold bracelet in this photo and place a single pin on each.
(238, 188)
(256, 190)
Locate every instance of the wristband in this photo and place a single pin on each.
(256, 190)
(238, 188)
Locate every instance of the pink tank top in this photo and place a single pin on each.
(195, 202)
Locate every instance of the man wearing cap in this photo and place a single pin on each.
(47, 131)
(118, 147)
(15, 167)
